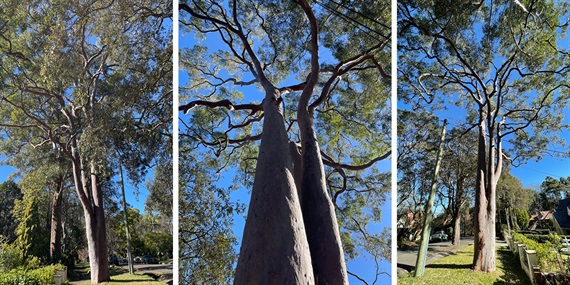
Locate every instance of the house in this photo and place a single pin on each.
(542, 220)
(562, 217)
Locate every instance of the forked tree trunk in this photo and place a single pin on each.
(318, 211)
(90, 194)
(274, 247)
(485, 207)
(56, 219)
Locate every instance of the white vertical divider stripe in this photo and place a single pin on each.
(175, 103)
(394, 135)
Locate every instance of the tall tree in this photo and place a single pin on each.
(9, 193)
(504, 64)
(511, 196)
(72, 81)
(417, 145)
(552, 191)
(315, 85)
(458, 177)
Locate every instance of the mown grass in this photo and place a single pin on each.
(456, 269)
(131, 279)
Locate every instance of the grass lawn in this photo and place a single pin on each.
(456, 269)
(132, 279)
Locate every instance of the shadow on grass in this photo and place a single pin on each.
(450, 266)
(513, 273)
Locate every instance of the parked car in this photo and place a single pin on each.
(565, 242)
(114, 260)
(147, 259)
(439, 236)
(138, 259)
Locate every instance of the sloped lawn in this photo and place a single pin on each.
(456, 269)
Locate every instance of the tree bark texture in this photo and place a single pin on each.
(318, 211)
(274, 247)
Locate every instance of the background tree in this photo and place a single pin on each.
(417, 144)
(207, 242)
(458, 177)
(71, 81)
(511, 196)
(552, 191)
(9, 193)
(505, 67)
(308, 98)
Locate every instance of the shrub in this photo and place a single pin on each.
(21, 276)
(546, 252)
(11, 257)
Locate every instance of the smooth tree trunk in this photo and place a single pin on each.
(126, 216)
(318, 210)
(426, 228)
(274, 247)
(456, 212)
(56, 221)
(489, 164)
(456, 229)
(90, 194)
(296, 159)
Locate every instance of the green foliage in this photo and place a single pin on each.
(11, 257)
(9, 193)
(522, 218)
(158, 244)
(22, 276)
(552, 191)
(207, 254)
(546, 252)
(32, 232)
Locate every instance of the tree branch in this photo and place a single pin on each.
(254, 108)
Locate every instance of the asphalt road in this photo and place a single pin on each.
(436, 250)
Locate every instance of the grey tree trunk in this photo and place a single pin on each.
(125, 213)
(456, 229)
(422, 252)
(274, 247)
(318, 211)
(489, 166)
(456, 210)
(56, 220)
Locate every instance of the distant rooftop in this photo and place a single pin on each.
(561, 214)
